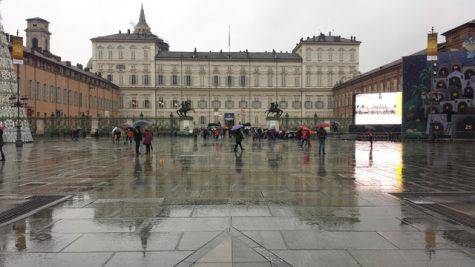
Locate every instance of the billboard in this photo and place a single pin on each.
(439, 97)
(378, 109)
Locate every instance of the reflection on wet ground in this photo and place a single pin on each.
(196, 201)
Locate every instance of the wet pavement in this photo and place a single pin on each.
(198, 203)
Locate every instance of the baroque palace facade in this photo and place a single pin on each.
(225, 87)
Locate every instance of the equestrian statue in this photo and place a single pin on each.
(274, 108)
(184, 109)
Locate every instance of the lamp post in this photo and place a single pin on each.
(18, 142)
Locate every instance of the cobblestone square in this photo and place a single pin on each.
(198, 202)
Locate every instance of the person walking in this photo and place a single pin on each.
(370, 138)
(129, 136)
(305, 141)
(239, 137)
(138, 139)
(147, 141)
(322, 136)
(1, 144)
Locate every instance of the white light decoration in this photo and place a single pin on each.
(8, 88)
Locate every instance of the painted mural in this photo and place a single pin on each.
(438, 96)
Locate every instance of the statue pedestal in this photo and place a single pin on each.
(94, 125)
(40, 127)
(273, 123)
(186, 124)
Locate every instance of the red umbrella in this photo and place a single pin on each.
(304, 128)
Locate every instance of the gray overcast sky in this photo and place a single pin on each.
(388, 29)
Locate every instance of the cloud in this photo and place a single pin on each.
(388, 29)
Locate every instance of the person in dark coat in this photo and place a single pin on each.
(138, 139)
(322, 136)
(239, 138)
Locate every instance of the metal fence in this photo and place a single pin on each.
(62, 126)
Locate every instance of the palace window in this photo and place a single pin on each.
(133, 103)
(109, 54)
(146, 103)
(99, 54)
(202, 120)
(308, 54)
(52, 94)
(242, 103)
(161, 102)
(160, 80)
(296, 104)
(340, 54)
(229, 104)
(109, 77)
(145, 79)
(216, 104)
(133, 79)
(202, 104)
(283, 103)
(319, 54)
(121, 54)
(242, 81)
(319, 104)
(132, 54)
(175, 104)
(174, 80)
(65, 96)
(352, 55)
(270, 79)
(145, 54)
(256, 103)
(308, 104)
(229, 81)
(188, 80)
(215, 80)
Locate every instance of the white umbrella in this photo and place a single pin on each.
(115, 129)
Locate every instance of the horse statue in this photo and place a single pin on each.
(184, 109)
(274, 108)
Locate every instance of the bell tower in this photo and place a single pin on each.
(142, 26)
(37, 34)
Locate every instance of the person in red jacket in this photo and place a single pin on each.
(147, 140)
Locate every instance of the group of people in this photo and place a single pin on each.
(304, 136)
(135, 135)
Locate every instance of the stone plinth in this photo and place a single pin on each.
(273, 123)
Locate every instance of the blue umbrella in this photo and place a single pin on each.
(236, 127)
(140, 123)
